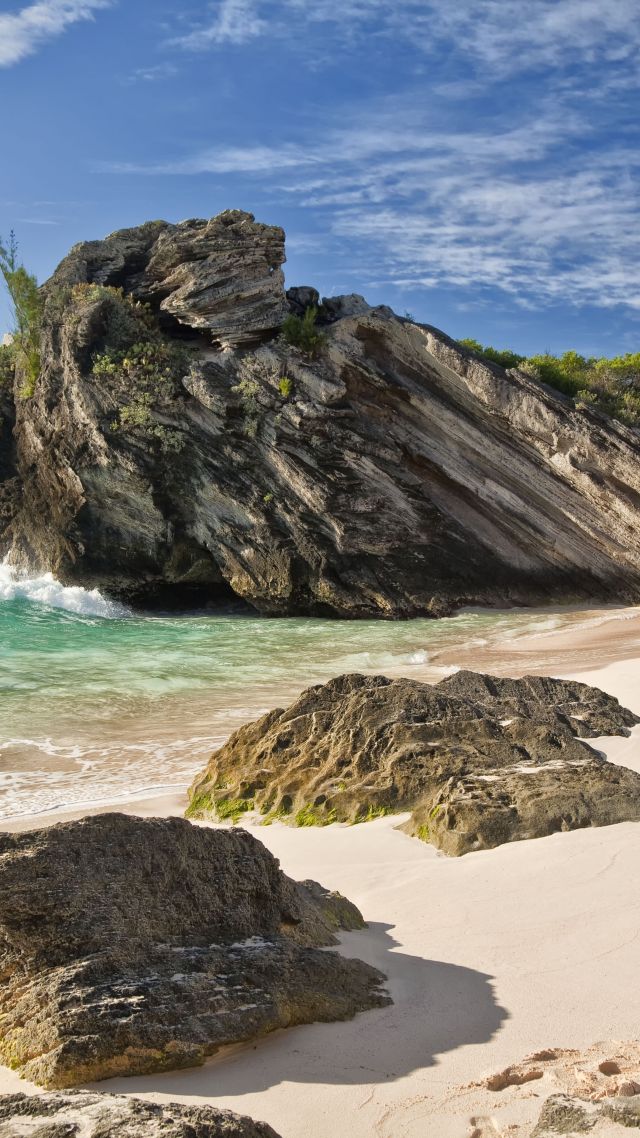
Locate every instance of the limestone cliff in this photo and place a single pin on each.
(177, 446)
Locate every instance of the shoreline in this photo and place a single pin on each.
(490, 957)
(606, 637)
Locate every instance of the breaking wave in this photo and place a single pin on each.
(45, 590)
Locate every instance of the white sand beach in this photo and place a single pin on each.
(490, 957)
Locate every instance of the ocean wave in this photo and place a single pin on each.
(45, 590)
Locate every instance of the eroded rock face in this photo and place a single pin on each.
(392, 475)
(82, 1115)
(478, 760)
(131, 945)
(223, 275)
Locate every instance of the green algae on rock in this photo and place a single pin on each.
(477, 760)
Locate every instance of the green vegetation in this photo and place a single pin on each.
(139, 363)
(204, 805)
(232, 808)
(26, 305)
(285, 386)
(301, 332)
(608, 385)
(7, 365)
(310, 815)
(247, 388)
(423, 833)
(201, 805)
(371, 812)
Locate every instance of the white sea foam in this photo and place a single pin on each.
(45, 590)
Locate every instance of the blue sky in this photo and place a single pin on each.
(473, 162)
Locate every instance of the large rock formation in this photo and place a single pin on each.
(478, 760)
(185, 450)
(82, 1115)
(129, 946)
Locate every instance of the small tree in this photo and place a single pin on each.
(301, 332)
(26, 304)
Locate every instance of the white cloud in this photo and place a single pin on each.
(506, 36)
(153, 74)
(22, 33)
(512, 205)
(234, 21)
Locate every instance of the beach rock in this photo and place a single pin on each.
(568, 1115)
(83, 1115)
(477, 760)
(131, 945)
(390, 475)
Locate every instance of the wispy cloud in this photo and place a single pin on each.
(511, 205)
(505, 35)
(155, 73)
(22, 33)
(231, 22)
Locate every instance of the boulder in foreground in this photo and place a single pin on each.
(477, 760)
(130, 945)
(82, 1115)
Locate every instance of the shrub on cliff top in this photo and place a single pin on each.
(26, 305)
(301, 332)
(609, 385)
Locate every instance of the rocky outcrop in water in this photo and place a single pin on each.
(131, 945)
(83, 1115)
(177, 447)
(477, 760)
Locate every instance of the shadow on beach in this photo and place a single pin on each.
(437, 1007)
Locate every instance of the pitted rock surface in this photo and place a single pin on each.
(82, 1115)
(477, 760)
(392, 475)
(131, 945)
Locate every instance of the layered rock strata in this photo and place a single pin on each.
(82, 1115)
(131, 945)
(477, 760)
(390, 474)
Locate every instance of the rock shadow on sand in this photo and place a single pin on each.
(438, 1007)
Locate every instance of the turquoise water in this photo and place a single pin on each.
(96, 703)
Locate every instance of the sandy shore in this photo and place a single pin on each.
(490, 957)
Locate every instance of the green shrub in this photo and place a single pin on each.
(139, 363)
(26, 305)
(285, 386)
(609, 385)
(7, 365)
(301, 332)
(505, 358)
